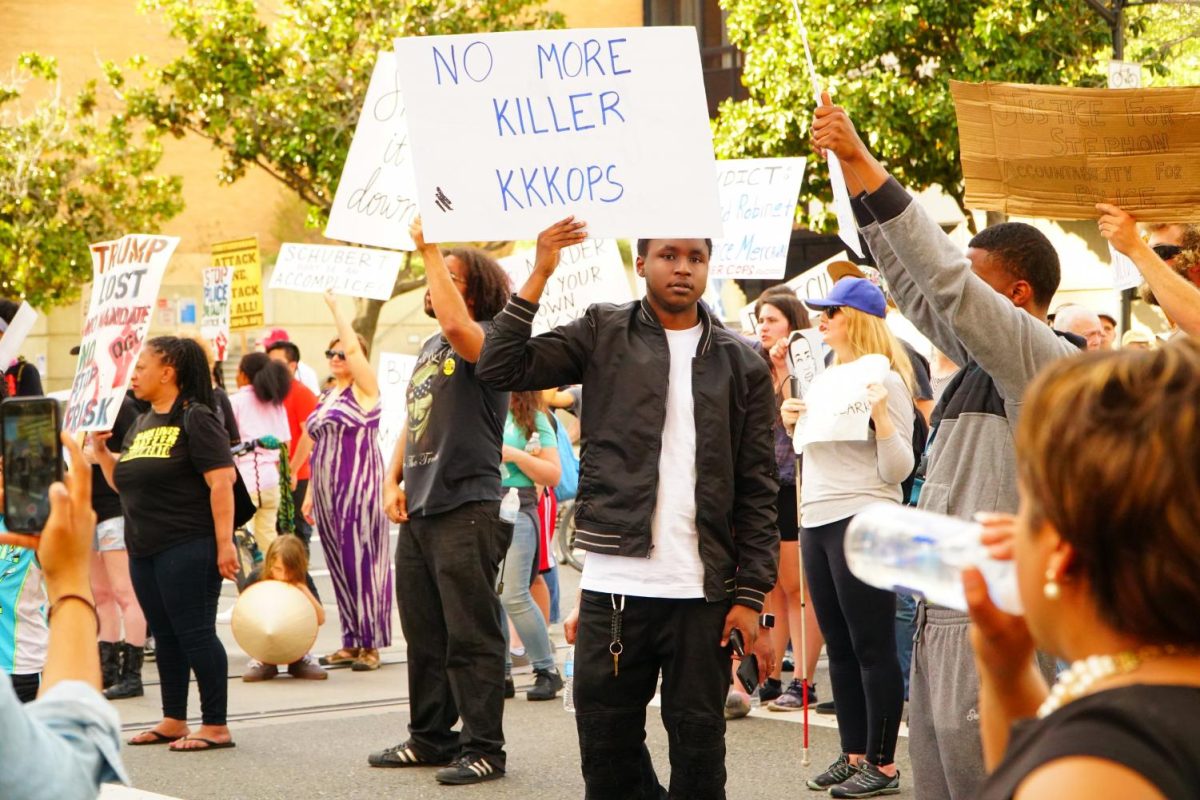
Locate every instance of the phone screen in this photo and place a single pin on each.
(31, 461)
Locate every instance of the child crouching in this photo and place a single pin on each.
(287, 561)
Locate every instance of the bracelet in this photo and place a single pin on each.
(90, 604)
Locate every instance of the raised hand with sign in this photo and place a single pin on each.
(550, 243)
(833, 132)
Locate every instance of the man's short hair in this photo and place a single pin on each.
(1109, 318)
(1026, 253)
(643, 246)
(289, 349)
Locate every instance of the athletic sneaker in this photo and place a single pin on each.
(470, 768)
(402, 755)
(737, 704)
(510, 688)
(869, 782)
(793, 698)
(770, 689)
(839, 771)
(545, 685)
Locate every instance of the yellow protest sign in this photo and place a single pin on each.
(246, 301)
(1054, 151)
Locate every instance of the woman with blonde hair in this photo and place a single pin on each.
(838, 479)
(1108, 569)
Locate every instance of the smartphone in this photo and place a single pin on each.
(748, 672)
(32, 460)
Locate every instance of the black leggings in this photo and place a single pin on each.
(178, 590)
(858, 623)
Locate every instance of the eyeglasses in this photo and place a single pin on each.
(331, 354)
(1166, 251)
(459, 279)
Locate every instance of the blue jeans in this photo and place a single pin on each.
(555, 591)
(518, 602)
(906, 628)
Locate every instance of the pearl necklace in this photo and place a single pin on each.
(1078, 679)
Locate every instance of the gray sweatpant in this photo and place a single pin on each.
(943, 714)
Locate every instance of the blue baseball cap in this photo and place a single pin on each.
(857, 293)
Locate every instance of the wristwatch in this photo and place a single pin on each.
(767, 621)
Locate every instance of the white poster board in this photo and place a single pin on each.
(127, 275)
(758, 206)
(395, 370)
(214, 314)
(513, 131)
(13, 334)
(836, 407)
(376, 196)
(589, 272)
(351, 271)
(806, 358)
(1125, 272)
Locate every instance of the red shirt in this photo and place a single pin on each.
(299, 403)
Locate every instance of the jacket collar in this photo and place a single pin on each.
(646, 312)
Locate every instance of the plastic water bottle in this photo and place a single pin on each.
(511, 506)
(569, 682)
(903, 549)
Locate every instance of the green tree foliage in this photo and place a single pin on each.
(69, 176)
(889, 63)
(282, 92)
(1169, 37)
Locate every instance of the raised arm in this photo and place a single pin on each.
(365, 381)
(453, 316)
(1178, 297)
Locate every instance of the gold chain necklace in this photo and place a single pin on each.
(1078, 679)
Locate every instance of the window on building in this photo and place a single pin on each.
(721, 62)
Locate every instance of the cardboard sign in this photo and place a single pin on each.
(513, 131)
(758, 206)
(13, 334)
(127, 274)
(376, 196)
(214, 316)
(246, 301)
(395, 370)
(836, 407)
(353, 271)
(589, 272)
(1054, 152)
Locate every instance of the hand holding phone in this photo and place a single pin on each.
(29, 427)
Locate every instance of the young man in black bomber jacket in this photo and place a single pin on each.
(676, 508)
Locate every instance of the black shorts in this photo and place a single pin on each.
(789, 524)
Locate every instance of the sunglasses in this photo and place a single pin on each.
(336, 354)
(831, 311)
(1167, 251)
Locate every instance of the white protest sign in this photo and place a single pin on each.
(836, 406)
(758, 205)
(127, 274)
(352, 271)
(376, 196)
(395, 370)
(1125, 272)
(13, 335)
(589, 272)
(513, 131)
(214, 313)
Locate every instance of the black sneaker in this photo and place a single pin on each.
(770, 689)
(402, 755)
(510, 688)
(471, 768)
(545, 685)
(827, 708)
(839, 771)
(868, 782)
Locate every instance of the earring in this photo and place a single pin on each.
(1051, 589)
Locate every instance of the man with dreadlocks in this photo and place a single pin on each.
(175, 477)
(451, 540)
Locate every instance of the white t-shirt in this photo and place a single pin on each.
(308, 376)
(674, 569)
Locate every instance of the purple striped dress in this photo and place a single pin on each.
(347, 487)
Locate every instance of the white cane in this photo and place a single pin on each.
(796, 338)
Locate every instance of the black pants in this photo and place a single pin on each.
(26, 686)
(858, 623)
(178, 590)
(446, 570)
(682, 638)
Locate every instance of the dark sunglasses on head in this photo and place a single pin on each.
(1166, 251)
(336, 354)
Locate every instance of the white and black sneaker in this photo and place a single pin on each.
(869, 782)
(470, 768)
(402, 755)
(839, 771)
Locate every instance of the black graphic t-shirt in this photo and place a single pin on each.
(105, 502)
(161, 477)
(455, 427)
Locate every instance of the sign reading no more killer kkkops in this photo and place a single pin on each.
(512, 131)
(127, 274)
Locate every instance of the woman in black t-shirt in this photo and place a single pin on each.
(175, 478)
(1108, 565)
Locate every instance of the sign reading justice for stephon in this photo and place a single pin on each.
(512, 131)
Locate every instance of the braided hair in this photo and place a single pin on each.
(192, 375)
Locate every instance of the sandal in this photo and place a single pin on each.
(159, 738)
(342, 658)
(367, 661)
(209, 744)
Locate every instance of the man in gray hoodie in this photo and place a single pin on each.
(985, 310)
